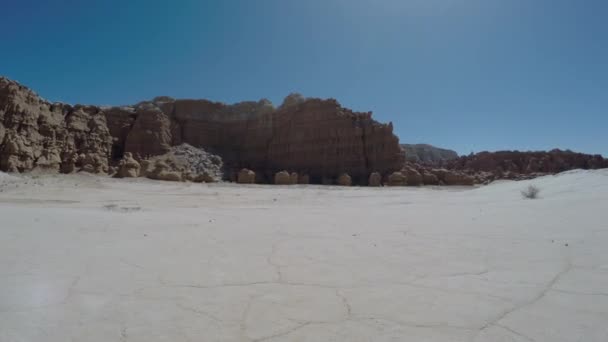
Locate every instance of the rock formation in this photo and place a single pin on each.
(424, 153)
(414, 178)
(345, 180)
(293, 178)
(396, 179)
(375, 179)
(246, 176)
(56, 137)
(128, 167)
(184, 162)
(318, 138)
(282, 178)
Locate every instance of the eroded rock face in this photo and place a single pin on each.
(316, 137)
(187, 162)
(128, 167)
(36, 134)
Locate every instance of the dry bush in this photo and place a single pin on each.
(531, 192)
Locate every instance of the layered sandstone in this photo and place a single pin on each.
(312, 137)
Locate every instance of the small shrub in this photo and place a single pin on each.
(531, 192)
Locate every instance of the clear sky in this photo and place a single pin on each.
(470, 75)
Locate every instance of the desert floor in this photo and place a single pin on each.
(85, 258)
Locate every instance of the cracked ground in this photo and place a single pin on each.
(84, 258)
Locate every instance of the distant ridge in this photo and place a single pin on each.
(425, 153)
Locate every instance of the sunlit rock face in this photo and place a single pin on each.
(319, 138)
(37, 134)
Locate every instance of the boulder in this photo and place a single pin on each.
(293, 178)
(162, 170)
(246, 176)
(397, 179)
(282, 178)
(430, 179)
(345, 180)
(128, 167)
(457, 178)
(414, 178)
(375, 179)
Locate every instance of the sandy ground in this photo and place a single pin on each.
(94, 259)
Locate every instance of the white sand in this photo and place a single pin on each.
(94, 259)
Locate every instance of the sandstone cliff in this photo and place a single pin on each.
(56, 137)
(318, 138)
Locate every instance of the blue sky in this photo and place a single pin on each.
(470, 75)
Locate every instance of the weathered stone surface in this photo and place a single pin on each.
(375, 179)
(397, 179)
(414, 178)
(37, 134)
(317, 138)
(293, 178)
(345, 180)
(457, 178)
(282, 178)
(246, 176)
(128, 167)
(190, 163)
(424, 153)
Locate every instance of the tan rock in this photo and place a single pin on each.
(282, 178)
(414, 178)
(397, 179)
(375, 179)
(246, 176)
(345, 180)
(293, 178)
(429, 179)
(128, 167)
(171, 176)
